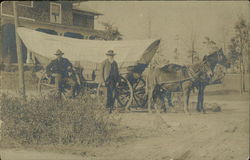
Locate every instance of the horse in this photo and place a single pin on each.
(178, 78)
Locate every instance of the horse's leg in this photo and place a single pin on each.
(157, 103)
(199, 97)
(170, 104)
(185, 98)
(186, 94)
(150, 94)
(156, 97)
(169, 97)
(202, 98)
(165, 94)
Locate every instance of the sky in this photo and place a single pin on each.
(176, 23)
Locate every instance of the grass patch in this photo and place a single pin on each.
(46, 121)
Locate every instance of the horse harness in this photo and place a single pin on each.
(194, 71)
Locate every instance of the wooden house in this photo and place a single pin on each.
(62, 18)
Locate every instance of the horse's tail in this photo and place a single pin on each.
(151, 79)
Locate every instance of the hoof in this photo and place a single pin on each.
(157, 111)
(165, 110)
(198, 110)
(127, 110)
(172, 110)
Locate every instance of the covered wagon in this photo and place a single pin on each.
(86, 55)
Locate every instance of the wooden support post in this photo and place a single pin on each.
(19, 54)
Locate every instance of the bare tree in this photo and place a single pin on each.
(211, 45)
(111, 32)
(176, 54)
(238, 48)
(176, 50)
(192, 53)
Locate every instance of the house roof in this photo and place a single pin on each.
(84, 8)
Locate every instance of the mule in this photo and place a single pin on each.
(177, 78)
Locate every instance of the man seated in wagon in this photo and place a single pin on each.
(62, 70)
(110, 76)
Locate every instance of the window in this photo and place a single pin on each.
(7, 10)
(48, 31)
(83, 20)
(55, 13)
(26, 3)
(73, 35)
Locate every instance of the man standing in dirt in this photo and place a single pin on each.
(110, 76)
(62, 69)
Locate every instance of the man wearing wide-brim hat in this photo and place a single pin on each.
(61, 69)
(110, 76)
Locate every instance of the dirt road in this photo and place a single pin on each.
(172, 136)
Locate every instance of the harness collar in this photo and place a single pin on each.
(204, 67)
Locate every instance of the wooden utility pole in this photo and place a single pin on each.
(193, 51)
(193, 38)
(19, 54)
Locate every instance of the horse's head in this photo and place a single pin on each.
(217, 57)
(212, 60)
(222, 59)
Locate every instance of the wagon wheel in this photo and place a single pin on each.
(46, 87)
(123, 92)
(139, 88)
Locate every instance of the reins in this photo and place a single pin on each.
(204, 67)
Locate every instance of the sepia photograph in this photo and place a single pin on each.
(124, 80)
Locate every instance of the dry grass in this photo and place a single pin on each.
(45, 121)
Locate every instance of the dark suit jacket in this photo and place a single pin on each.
(106, 71)
(59, 66)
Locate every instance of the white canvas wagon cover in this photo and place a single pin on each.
(88, 51)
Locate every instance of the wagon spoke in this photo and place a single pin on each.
(123, 92)
(48, 85)
(140, 93)
(123, 98)
(136, 84)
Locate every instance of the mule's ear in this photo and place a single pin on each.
(205, 57)
(220, 51)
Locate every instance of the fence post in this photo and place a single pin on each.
(19, 54)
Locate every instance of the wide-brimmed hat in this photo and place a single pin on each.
(110, 53)
(59, 52)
